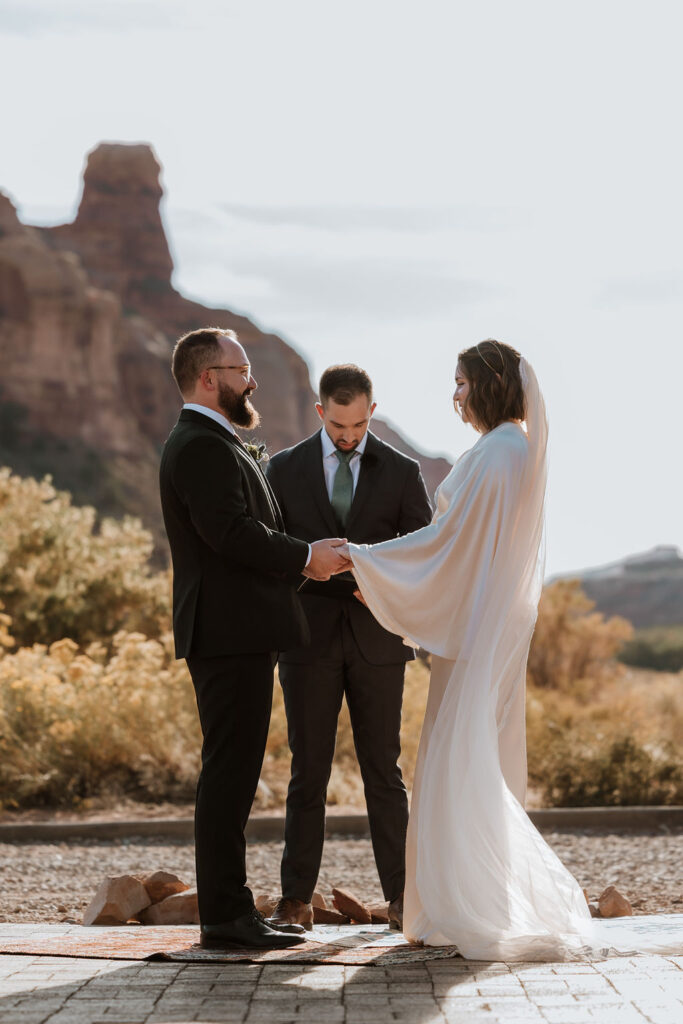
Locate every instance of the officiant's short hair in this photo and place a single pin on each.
(343, 383)
(195, 352)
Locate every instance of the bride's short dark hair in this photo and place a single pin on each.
(496, 392)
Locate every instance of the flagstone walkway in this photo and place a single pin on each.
(70, 990)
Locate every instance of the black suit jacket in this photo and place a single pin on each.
(234, 570)
(390, 500)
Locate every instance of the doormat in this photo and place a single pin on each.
(326, 944)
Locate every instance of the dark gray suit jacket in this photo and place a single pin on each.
(390, 500)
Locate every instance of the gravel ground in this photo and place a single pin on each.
(54, 882)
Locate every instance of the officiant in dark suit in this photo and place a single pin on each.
(344, 480)
(235, 605)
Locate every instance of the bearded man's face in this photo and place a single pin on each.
(236, 407)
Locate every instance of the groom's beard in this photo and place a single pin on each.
(237, 408)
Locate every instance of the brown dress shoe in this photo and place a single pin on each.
(396, 913)
(289, 913)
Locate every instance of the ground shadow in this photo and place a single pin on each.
(33, 990)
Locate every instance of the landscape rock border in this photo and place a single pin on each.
(271, 827)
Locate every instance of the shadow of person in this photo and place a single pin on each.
(35, 989)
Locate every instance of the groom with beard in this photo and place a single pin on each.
(234, 607)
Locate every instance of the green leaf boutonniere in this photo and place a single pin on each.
(258, 452)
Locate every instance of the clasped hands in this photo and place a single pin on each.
(328, 557)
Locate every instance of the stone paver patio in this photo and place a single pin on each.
(66, 990)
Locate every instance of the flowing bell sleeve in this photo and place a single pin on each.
(426, 585)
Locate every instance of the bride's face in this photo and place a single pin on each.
(462, 390)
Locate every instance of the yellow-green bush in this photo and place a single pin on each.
(63, 574)
(618, 746)
(572, 642)
(79, 723)
(109, 711)
(660, 647)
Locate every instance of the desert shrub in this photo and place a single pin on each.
(63, 574)
(571, 642)
(6, 638)
(658, 648)
(621, 747)
(597, 733)
(78, 723)
(598, 771)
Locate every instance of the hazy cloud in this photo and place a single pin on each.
(339, 288)
(42, 17)
(363, 287)
(385, 218)
(291, 268)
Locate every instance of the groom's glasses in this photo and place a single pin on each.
(245, 368)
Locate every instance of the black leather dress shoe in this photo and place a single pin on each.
(248, 930)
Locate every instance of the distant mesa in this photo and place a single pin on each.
(88, 319)
(646, 588)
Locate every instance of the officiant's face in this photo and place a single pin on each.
(462, 390)
(346, 425)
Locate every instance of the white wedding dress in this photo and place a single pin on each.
(466, 588)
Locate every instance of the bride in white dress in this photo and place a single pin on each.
(466, 588)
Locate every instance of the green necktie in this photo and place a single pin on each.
(342, 489)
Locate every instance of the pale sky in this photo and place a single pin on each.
(388, 182)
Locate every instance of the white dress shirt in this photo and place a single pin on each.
(218, 417)
(331, 462)
(212, 414)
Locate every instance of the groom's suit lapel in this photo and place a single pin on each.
(255, 473)
(256, 470)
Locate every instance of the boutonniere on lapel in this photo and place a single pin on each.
(258, 453)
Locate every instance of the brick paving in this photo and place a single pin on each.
(59, 990)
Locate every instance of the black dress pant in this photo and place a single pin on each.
(234, 698)
(313, 694)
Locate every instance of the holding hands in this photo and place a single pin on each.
(328, 557)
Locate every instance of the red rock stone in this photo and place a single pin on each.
(318, 900)
(379, 912)
(347, 903)
(118, 899)
(612, 904)
(180, 908)
(161, 884)
(266, 902)
(321, 915)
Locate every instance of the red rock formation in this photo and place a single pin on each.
(88, 319)
(118, 231)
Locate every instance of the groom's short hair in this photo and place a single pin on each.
(195, 352)
(343, 383)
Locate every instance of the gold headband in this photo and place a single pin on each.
(491, 368)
